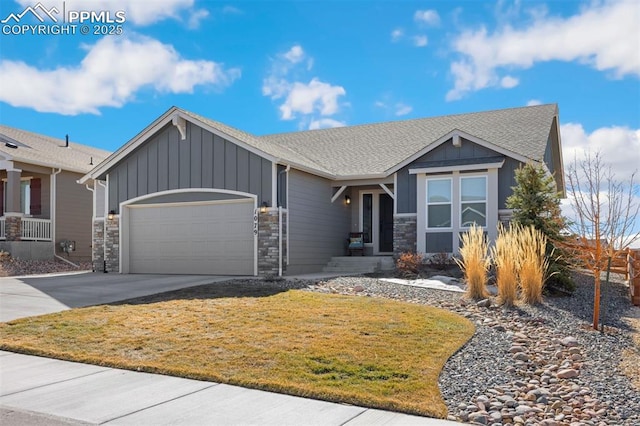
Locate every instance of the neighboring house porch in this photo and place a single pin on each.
(43, 211)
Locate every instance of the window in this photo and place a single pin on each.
(439, 203)
(367, 217)
(30, 190)
(473, 201)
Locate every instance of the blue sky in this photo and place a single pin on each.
(279, 66)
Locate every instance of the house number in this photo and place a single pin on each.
(255, 222)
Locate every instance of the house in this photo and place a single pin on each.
(43, 211)
(193, 195)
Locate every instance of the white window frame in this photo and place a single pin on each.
(450, 204)
(485, 201)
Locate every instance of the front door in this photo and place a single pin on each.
(385, 237)
(376, 220)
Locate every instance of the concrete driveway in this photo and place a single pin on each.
(37, 295)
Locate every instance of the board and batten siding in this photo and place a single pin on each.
(318, 228)
(203, 160)
(74, 209)
(406, 191)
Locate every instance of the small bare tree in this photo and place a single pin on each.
(606, 214)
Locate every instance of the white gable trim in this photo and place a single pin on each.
(456, 135)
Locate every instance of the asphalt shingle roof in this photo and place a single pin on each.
(375, 148)
(34, 148)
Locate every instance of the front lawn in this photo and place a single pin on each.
(359, 350)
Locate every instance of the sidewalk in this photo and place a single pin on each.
(36, 391)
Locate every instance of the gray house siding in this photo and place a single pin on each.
(507, 180)
(318, 229)
(406, 191)
(203, 160)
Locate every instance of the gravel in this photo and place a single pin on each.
(10, 266)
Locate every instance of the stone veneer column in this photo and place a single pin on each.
(112, 244)
(404, 234)
(13, 227)
(268, 243)
(97, 245)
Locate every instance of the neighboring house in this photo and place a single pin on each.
(41, 204)
(192, 195)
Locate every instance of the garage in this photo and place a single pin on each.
(211, 238)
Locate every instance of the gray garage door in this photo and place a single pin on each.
(192, 238)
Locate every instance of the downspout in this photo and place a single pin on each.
(280, 223)
(279, 241)
(93, 218)
(104, 224)
(53, 215)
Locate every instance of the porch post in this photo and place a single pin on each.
(13, 215)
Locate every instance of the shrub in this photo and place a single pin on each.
(409, 264)
(505, 254)
(533, 263)
(440, 261)
(474, 262)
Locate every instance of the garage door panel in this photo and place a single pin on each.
(214, 238)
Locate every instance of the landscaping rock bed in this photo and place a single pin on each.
(10, 266)
(529, 365)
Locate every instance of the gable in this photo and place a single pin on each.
(202, 160)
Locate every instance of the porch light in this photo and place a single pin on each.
(347, 200)
(112, 214)
(263, 207)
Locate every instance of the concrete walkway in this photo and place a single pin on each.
(41, 391)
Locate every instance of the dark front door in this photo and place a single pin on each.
(386, 224)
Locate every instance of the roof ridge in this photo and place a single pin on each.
(408, 120)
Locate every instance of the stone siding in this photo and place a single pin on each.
(112, 244)
(404, 235)
(97, 245)
(13, 228)
(268, 243)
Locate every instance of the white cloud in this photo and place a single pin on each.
(197, 17)
(508, 82)
(534, 102)
(324, 123)
(403, 109)
(110, 74)
(295, 54)
(284, 81)
(420, 41)
(600, 36)
(619, 146)
(316, 96)
(429, 17)
(397, 34)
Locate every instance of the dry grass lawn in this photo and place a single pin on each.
(359, 350)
